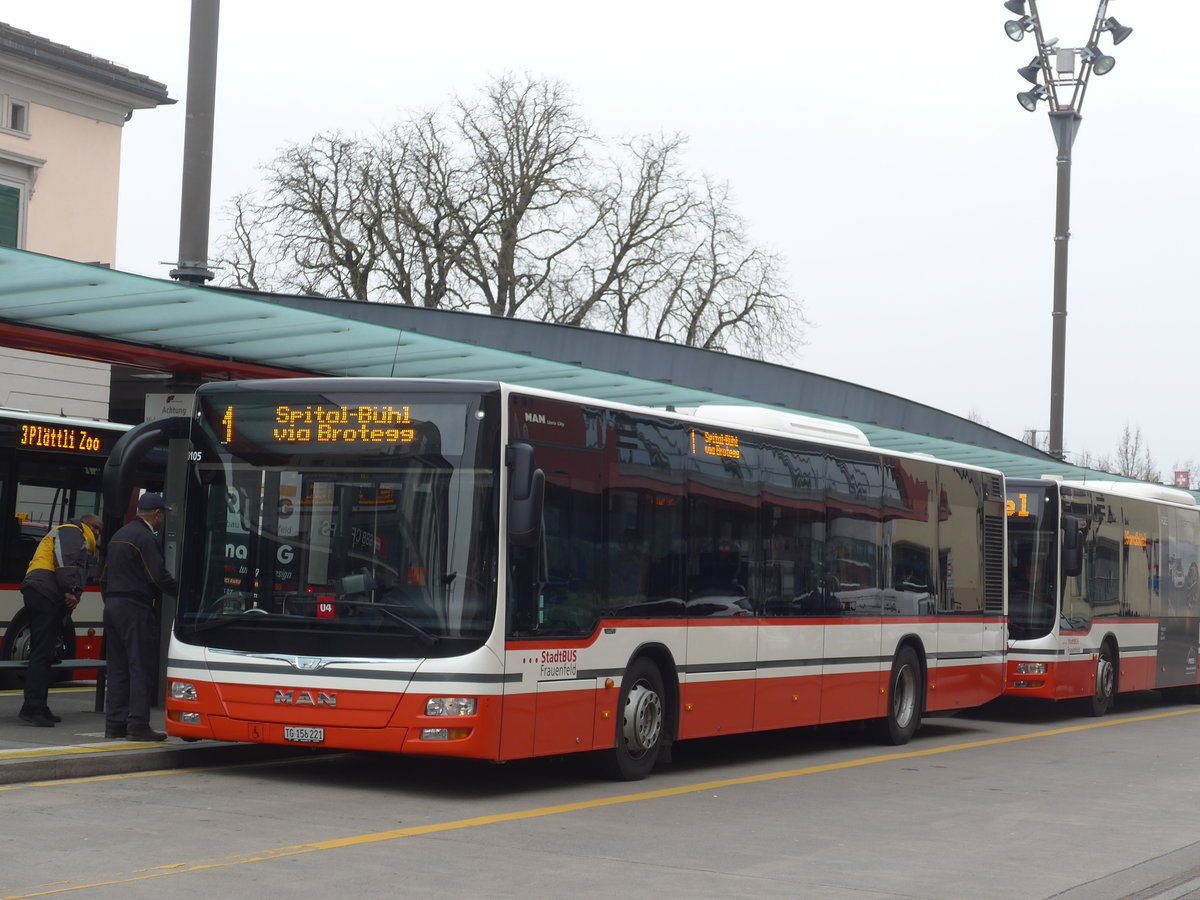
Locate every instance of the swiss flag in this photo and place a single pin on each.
(1183, 480)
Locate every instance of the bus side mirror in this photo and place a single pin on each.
(526, 489)
(1072, 546)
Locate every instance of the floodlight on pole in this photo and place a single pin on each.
(1064, 83)
(1102, 63)
(1029, 99)
(1118, 31)
(1016, 28)
(1030, 72)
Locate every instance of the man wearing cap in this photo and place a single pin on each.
(133, 581)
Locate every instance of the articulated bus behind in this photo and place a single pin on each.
(1104, 590)
(469, 569)
(50, 469)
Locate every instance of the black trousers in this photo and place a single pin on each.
(131, 648)
(46, 613)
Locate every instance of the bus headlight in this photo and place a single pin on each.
(1031, 668)
(183, 690)
(450, 706)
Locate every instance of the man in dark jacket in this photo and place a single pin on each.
(51, 589)
(134, 578)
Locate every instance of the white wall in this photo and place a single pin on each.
(53, 384)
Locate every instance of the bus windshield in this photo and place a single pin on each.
(1032, 558)
(341, 526)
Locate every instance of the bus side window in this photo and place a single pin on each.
(18, 549)
(524, 589)
(570, 596)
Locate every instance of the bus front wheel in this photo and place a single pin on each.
(642, 723)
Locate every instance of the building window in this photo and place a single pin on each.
(14, 116)
(18, 177)
(10, 215)
(18, 116)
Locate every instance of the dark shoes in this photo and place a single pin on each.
(49, 715)
(144, 733)
(136, 733)
(37, 719)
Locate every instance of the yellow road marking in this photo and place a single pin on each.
(359, 840)
(74, 749)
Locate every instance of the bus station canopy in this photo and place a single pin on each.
(76, 309)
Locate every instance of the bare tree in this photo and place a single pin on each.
(318, 204)
(425, 197)
(1030, 437)
(1133, 458)
(645, 202)
(1088, 460)
(248, 263)
(718, 290)
(530, 151)
(505, 203)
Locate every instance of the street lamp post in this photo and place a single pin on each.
(1059, 76)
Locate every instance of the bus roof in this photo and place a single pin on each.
(1142, 490)
(24, 415)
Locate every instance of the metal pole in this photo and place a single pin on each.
(1065, 125)
(197, 144)
(174, 488)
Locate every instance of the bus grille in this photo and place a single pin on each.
(993, 551)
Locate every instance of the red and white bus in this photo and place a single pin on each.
(50, 469)
(1104, 589)
(476, 570)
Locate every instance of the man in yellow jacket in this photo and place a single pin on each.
(51, 588)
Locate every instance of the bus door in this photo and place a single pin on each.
(795, 590)
(722, 545)
(858, 652)
(1179, 622)
(968, 634)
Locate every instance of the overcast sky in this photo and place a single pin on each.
(878, 146)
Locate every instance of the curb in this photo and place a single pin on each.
(121, 762)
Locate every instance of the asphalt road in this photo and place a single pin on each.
(1004, 802)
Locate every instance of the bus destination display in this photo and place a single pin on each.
(312, 424)
(716, 443)
(61, 437)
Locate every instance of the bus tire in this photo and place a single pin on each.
(642, 725)
(905, 698)
(1102, 698)
(17, 642)
(16, 647)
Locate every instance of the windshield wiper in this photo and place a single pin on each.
(248, 615)
(424, 636)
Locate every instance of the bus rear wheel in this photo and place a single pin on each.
(641, 728)
(905, 699)
(16, 647)
(17, 643)
(1101, 700)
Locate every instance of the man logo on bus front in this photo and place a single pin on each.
(306, 698)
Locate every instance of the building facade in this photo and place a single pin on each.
(62, 115)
